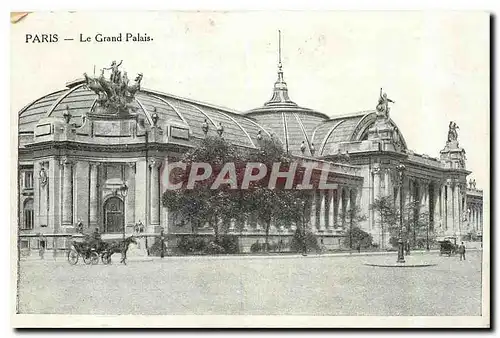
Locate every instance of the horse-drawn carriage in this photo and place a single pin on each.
(92, 248)
(448, 246)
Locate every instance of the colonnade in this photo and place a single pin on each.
(330, 208)
(475, 216)
(443, 200)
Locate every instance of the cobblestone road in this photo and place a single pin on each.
(291, 286)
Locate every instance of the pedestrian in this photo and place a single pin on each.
(162, 243)
(79, 227)
(359, 248)
(41, 250)
(461, 251)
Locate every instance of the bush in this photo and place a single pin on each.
(229, 244)
(297, 243)
(256, 247)
(214, 249)
(190, 245)
(358, 237)
(155, 249)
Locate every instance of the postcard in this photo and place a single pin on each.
(250, 169)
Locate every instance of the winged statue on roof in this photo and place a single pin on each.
(452, 131)
(383, 104)
(116, 94)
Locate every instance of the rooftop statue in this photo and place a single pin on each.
(452, 132)
(383, 104)
(114, 95)
(220, 129)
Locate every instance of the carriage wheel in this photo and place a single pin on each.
(106, 258)
(72, 257)
(94, 258)
(87, 258)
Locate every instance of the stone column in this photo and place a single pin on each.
(376, 194)
(354, 198)
(322, 210)
(436, 196)
(67, 198)
(409, 195)
(456, 208)
(94, 195)
(480, 217)
(387, 179)
(397, 198)
(476, 223)
(426, 197)
(130, 211)
(340, 213)
(442, 206)
(313, 210)
(376, 183)
(473, 216)
(449, 208)
(155, 193)
(348, 201)
(331, 211)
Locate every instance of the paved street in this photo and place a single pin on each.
(288, 286)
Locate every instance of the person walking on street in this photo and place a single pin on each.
(162, 243)
(461, 251)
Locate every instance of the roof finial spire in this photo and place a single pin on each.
(280, 94)
(279, 49)
(280, 65)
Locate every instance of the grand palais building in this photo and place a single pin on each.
(93, 154)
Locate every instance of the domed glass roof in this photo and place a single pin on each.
(302, 131)
(79, 100)
(292, 124)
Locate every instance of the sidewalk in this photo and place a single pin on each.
(49, 257)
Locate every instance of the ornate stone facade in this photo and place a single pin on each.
(86, 155)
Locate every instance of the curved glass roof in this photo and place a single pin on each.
(291, 124)
(79, 100)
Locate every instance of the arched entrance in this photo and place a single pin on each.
(114, 220)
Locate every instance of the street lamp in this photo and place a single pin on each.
(123, 190)
(401, 169)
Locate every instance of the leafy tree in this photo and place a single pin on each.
(353, 218)
(202, 204)
(277, 206)
(387, 215)
(304, 241)
(416, 226)
(417, 223)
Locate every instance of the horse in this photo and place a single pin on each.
(118, 247)
(132, 89)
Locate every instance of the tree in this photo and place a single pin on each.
(417, 222)
(416, 226)
(202, 204)
(385, 208)
(353, 218)
(277, 206)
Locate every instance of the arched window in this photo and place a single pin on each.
(28, 220)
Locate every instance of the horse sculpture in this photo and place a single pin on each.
(115, 94)
(117, 247)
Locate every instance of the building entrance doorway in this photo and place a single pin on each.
(114, 220)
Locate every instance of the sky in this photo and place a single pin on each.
(434, 65)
